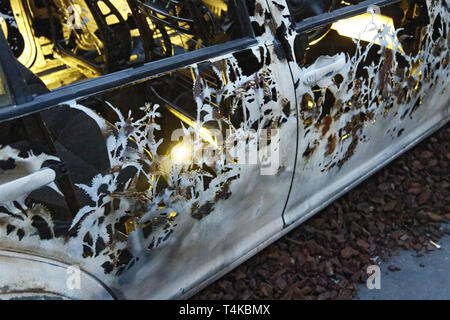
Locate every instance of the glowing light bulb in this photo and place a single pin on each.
(181, 154)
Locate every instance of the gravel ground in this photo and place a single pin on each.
(403, 206)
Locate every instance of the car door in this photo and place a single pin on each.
(372, 79)
(181, 167)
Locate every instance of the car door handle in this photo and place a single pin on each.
(324, 68)
(14, 189)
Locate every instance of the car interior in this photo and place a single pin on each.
(67, 41)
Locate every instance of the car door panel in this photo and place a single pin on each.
(381, 95)
(147, 228)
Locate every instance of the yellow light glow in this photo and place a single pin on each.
(172, 215)
(132, 225)
(181, 154)
(366, 27)
(204, 133)
(320, 39)
(129, 226)
(29, 51)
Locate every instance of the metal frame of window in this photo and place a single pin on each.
(26, 104)
(342, 13)
(15, 81)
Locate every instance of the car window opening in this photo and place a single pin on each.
(404, 20)
(67, 41)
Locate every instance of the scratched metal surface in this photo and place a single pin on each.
(371, 118)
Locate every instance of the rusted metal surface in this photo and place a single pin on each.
(212, 216)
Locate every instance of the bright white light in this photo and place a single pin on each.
(181, 154)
